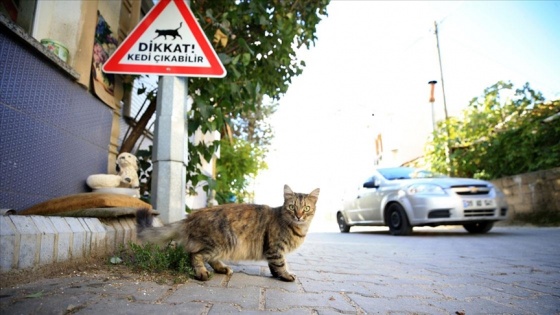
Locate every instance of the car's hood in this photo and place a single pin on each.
(445, 182)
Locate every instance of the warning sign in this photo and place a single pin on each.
(168, 41)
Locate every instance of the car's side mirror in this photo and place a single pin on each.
(372, 184)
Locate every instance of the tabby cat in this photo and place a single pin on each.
(237, 232)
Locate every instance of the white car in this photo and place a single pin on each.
(404, 197)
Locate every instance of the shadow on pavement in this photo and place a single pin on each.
(440, 233)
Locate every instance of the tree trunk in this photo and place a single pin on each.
(138, 129)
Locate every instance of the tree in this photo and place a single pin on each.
(259, 53)
(242, 154)
(137, 130)
(239, 162)
(501, 133)
(256, 41)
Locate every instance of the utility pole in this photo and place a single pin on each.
(448, 147)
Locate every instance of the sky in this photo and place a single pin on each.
(369, 70)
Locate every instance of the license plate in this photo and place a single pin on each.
(478, 203)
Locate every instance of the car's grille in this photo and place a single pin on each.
(479, 213)
(436, 214)
(471, 190)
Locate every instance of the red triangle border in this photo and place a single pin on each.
(216, 69)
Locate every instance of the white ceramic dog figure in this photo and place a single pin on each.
(127, 168)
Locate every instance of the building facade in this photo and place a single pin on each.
(59, 117)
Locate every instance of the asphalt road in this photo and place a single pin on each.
(511, 270)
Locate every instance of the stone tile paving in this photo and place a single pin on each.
(356, 273)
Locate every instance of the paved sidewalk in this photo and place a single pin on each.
(439, 271)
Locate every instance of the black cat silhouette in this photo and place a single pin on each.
(166, 33)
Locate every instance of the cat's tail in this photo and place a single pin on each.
(147, 233)
(180, 24)
(144, 219)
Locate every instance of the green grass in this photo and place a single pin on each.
(538, 218)
(152, 259)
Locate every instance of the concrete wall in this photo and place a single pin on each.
(532, 192)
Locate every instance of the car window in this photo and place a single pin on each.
(396, 173)
(370, 179)
(419, 173)
(407, 173)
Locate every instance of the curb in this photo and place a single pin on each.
(31, 241)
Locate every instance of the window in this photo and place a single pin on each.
(21, 12)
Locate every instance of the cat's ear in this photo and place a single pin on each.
(314, 194)
(288, 193)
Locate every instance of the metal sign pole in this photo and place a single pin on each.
(170, 149)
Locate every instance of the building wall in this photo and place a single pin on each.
(404, 132)
(76, 32)
(532, 192)
(53, 132)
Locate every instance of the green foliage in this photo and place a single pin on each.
(538, 218)
(501, 133)
(259, 55)
(256, 41)
(240, 160)
(35, 295)
(243, 155)
(151, 258)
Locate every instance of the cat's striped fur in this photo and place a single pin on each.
(237, 232)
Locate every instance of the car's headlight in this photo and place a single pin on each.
(497, 191)
(425, 189)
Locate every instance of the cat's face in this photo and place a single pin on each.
(300, 208)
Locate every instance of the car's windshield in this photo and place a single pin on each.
(407, 173)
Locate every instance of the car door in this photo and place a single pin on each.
(350, 206)
(369, 201)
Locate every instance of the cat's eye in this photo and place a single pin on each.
(306, 208)
(290, 207)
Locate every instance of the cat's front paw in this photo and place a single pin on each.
(224, 270)
(220, 267)
(287, 277)
(202, 275)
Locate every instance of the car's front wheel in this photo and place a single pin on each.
(397, 220)
(479, 227)
(344, 228)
